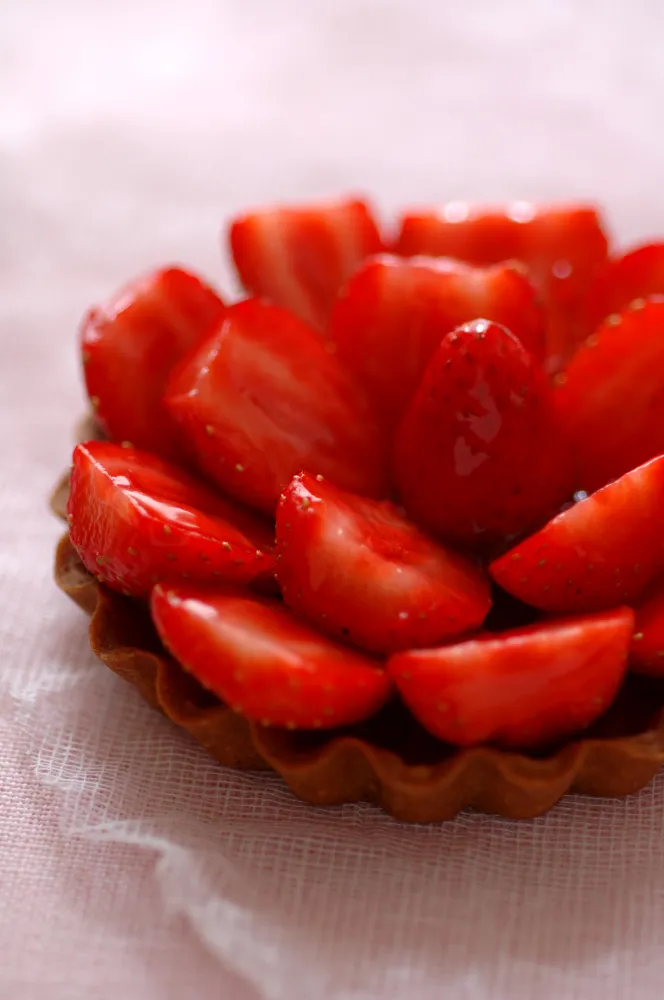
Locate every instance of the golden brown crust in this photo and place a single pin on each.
(389, 760)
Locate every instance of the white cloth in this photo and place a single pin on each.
(130, 864)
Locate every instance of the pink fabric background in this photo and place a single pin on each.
(130, 865)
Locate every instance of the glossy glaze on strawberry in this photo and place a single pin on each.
(602, 551)
(129, 346)
(470, 461)
(647, 654)
(256, 656)
(524, 688)
(361, 571)
(300, 258)
(393, 314)
(624, 279)
(136, 520)
(611, 396)
(397, 414)
(563, 247)
(263, 398)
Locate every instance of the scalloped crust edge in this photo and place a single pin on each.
(346, 768)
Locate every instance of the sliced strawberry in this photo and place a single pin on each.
(263, 399)
(357, 568)
(300, 257)
(393, 314)
(647, 656)
(612, 398)
(524, 688)
(563, 247)
(619, 281)
(135, 519)
(130, 346)
(478, 456)
(258, 658)
(603, 551)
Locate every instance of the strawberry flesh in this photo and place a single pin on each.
(393, 314)
(521, 689)
(130, 345)
(423, 375)
(620, 281)
(135, 519)
(360, 570)
(259, 659)
(601, 552)
(478, 455)
(263, 399)
(562, 246)
(611, 398)
(299, 258)
(647, 655)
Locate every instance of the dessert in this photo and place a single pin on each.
(391, 524)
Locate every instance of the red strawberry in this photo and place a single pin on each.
(563, 247)
(612, 398)
(619, 281)
(394, 312)
(258, 658)
(263, 398)
(647, 655)
(357, 568)
(478, 456)
(601, 552)
(130, 345)
(136, 519)
(300, 257)
(524, 688)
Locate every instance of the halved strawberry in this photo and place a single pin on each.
(620, 280)
(647, 654)
(135, 519)
(258, 658)
(603, 551)
(612, 396)
(478, 455)
(130, 345)
(563, 246)
(393, 314)
(300, 257)
(263, 398)
(524, 688)
(357, 568)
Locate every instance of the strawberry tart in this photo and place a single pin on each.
(393, 523)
